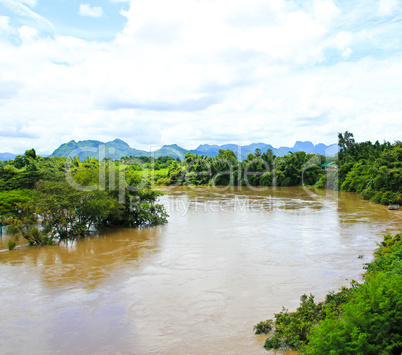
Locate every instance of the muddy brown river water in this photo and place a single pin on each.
(226, 260)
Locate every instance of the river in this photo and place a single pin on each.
(226, 260)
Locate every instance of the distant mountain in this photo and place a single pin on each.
(308, 147)
(212, 150)
(117, 149)
(96, 149)
(172, 150)
(7, 156)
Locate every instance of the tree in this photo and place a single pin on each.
(11, 202)
(199, 169)
(30, 154)
(141, 210)
(176, 174)
(346, 141)
(224, 168)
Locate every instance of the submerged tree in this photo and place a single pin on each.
(54, 205)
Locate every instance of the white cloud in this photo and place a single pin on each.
(31, 3)
(387, 7)
(22, 10)
(325, 11)
(343, 40)
(189, 72)
(347, 52)
(5, 25)
(91, 11)
(28, 34)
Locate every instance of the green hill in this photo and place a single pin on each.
(96, 149)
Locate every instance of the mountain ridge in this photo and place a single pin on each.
(118, 148)
(7, 156)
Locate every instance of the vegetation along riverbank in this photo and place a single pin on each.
(45, 200)
(364, 318)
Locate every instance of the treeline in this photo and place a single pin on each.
(258, 169)
(224, 169)
(372, 170)
(365, 318)
(49, 199)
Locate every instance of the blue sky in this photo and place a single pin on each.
(154, 72)
(96, 20)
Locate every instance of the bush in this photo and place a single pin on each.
(387, 198)
(377, 197)
(363, 319)
(292, 328)
(368, 193)
(322, 183)
(163, 181)
(11, 244)
(264, 327)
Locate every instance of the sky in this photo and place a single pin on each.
(155, 72)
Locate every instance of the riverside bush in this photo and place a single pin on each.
(365, 318)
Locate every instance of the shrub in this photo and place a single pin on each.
(368, 193)
(387, 198)
(377, 197)
(363, 319)
(264, 327)
(11, 244)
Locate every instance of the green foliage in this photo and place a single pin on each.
(264, 327)
(27, 228)
(11, 201)
(30, 155)
(25, 171)
(70, 197)
(372, 170)
(291, 328)
(11, 244)
(346, 140)
(141, 210)
(253, 170)
(37, 237)
(67, 212)
(258, 169)
(329, 181)
(371, 321)
(199, 169)
(224, 168)
(176, 174)
(363, 319)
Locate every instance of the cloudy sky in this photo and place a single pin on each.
(155, 72)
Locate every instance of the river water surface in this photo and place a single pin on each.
(197, 285)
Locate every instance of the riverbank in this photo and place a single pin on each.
(360, 318)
